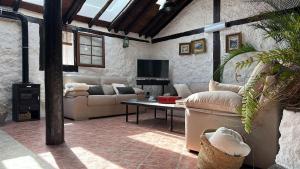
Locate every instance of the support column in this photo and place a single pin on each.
(53, 72)
(216, 40)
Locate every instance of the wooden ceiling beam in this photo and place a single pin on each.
(122, 15)
(32, 7)
(72, 11)
(17, 5)
(154, 21)
(96, 18)
(159, 27)
(141, 11)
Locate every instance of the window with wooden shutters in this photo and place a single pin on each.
(90, 50)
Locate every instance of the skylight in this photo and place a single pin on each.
(36, 2)
(113, 10)
(161, 3)
(91, 7)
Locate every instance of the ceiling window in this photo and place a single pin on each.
(90, 50)
(91, 7)
(113, 10)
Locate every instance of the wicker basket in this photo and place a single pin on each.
(210, 157)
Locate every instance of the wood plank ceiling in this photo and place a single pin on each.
(144, 17)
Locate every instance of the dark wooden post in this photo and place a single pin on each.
(216, 40)
(53, 72)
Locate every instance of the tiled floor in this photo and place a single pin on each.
(110, 143)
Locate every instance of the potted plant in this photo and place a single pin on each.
(3, 114)
(283, 25)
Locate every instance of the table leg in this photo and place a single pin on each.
(126, 112)
(171, 120)
(166, 114)
(137, 114)
(155, 112)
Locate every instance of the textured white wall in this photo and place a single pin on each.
(120, 62)
(198, 68)
(10, 60)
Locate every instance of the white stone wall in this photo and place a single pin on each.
(119, 61)
(10, 60)
(198, 68)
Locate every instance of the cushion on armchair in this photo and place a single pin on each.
(224, 101)
(138, 91)
(182, 90)
(258, 70)
(216, 86)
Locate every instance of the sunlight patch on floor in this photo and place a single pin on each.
(160, 140)
(48, 157)
(91, 160)
(25, 162)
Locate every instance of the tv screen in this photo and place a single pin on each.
(153, 68)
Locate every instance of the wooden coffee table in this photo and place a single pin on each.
(152, 104)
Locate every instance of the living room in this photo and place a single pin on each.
(94, 85)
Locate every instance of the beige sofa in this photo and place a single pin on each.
(93, 106)
(214, 109)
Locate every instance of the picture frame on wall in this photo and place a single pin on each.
(184, 48)
(233, 42)
(198, 46)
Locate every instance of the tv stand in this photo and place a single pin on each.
(153, 81)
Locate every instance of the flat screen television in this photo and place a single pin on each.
(152, 68)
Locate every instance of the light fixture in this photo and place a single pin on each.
(169, 5)
(126, 42)
(215, 27)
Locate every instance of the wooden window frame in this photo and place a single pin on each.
(78, 50)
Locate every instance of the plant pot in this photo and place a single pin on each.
(2, 118)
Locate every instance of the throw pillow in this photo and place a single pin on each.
(108, 89)
(138, 91)
(96, 90)
(258, 86)
(76, 93)
(77, 86)
(115, 85)
(216, 86)
(288, 155)
(125, 90)
(182, 90)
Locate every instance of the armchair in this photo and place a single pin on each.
(214, 109)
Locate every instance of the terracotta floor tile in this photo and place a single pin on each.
(109, 143)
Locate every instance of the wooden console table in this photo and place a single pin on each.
(150, 82)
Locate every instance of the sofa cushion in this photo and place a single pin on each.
(182, 90)
(108, 89)
(115, 85)
(95, 90)
(216, 86)
(76, 86)
(124, 97)
(76, 93)
(138, 91)
(225, 101)
(101, 100)
(125, 90)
